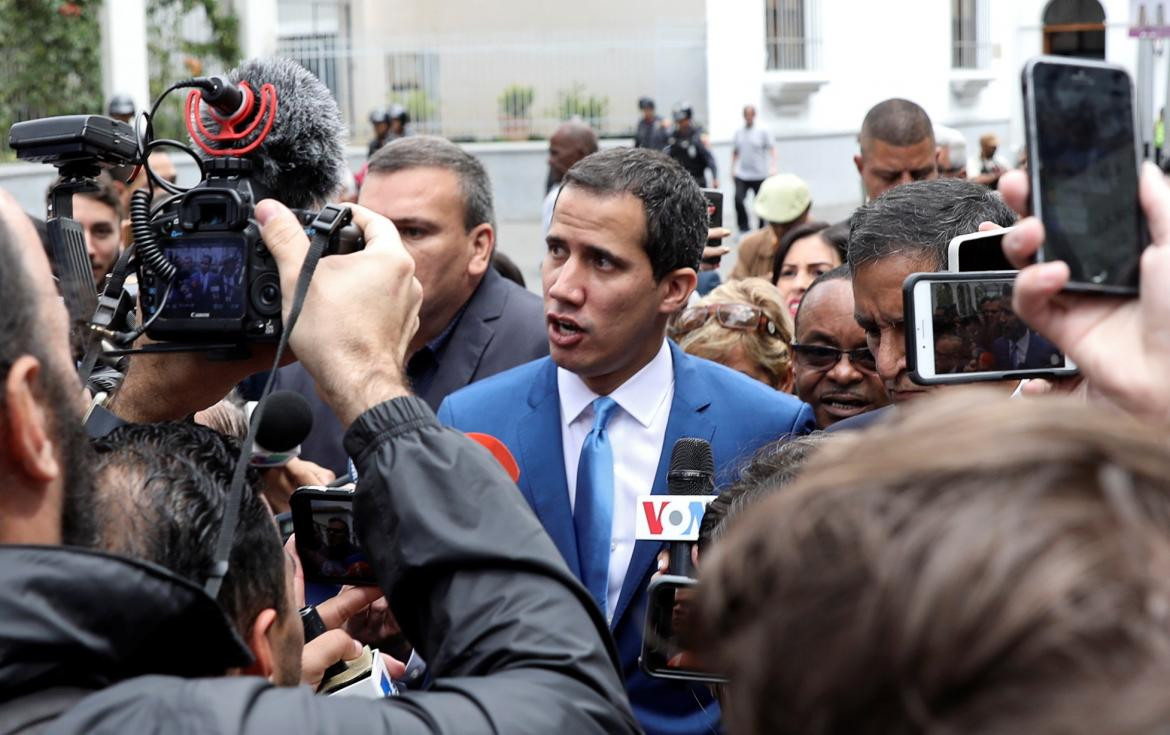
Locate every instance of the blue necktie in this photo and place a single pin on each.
(593, 511)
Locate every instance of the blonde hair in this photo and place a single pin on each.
(714, 341)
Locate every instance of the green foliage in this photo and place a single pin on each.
(173, 56)
(516, 101)
(418, 104)
(573, 103)
(51, 61)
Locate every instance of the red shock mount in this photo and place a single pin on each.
(240, 142)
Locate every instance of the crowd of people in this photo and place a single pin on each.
(882, 556)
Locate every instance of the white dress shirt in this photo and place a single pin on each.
(636, 433)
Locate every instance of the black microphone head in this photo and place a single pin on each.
(302, 159)
(286, 422)
(692, 468)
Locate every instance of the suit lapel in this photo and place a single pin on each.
(469, 341)
(690, 400)
(542, 474)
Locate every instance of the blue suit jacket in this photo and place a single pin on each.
(736, 414)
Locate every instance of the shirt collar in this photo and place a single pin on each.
(640, 396)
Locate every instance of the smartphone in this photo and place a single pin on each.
(960, 328)
(669, 638)
(1083, 160)
(714, 199)
(978, 251)
(326, 544)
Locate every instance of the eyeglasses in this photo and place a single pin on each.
(731, 316)
(823, 357)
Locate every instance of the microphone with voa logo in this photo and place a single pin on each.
(286, 422)
(691, 473)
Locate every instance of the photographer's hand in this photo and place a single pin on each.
(360, 312)
(1122, 346)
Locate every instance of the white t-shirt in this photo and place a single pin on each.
(753, 146)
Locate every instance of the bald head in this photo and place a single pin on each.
(897, 146)
(897, 122)
(571, 142)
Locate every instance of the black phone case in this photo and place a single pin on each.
(302, 518)
(1030, 143)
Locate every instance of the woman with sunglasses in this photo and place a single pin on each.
(743, 325)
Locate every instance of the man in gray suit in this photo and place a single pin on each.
(473, 323)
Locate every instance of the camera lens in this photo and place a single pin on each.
(266, 294)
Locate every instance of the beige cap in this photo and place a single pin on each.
(782, 198)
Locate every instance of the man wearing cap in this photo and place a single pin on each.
(686, 146)
(753, 158)
(783, 202)
(651, 132)
(121, 107)
(988, 167)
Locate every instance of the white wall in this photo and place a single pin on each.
(872, 51)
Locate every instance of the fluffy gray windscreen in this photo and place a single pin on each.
(302, 159)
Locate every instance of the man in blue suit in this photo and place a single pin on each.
(592, 426)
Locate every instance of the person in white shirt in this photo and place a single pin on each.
(753, 159)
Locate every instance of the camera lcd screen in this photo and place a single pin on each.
(976, 331)
(1087, 169)
(669, 641)
(209, 282)
(330, 551)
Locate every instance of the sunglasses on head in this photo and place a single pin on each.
(823, 357)
(732, 316)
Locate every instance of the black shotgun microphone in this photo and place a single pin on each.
(692, 472)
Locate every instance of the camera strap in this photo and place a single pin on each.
(324, 227)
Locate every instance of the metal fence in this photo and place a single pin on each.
(509, 89)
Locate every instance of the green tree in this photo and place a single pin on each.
(174, 56)
(51, 61)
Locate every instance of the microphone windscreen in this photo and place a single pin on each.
(302, 159)
(500, 451)
(286, 422)
(692, 467)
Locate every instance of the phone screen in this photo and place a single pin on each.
(669, 640)
(1086, 171)
(326, 542)
(976, 331)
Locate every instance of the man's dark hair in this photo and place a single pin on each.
(796, 233)
(160, 498)
(771, 468)
(676, 212)
(840, 273)
(428, 151)
(919, 219)
(897, 122)
(105, 193)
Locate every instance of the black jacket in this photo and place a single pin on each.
(509, 635)
(503, 326)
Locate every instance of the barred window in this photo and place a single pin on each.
(792, 35)
(969, 36)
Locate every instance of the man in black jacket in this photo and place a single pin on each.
(96, 643)
(473, 323)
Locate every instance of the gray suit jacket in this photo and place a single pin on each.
(502, 327)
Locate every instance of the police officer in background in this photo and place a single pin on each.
(685, 145)
(651, 132)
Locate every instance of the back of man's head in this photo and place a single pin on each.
(920, 219)
(676, 212)
(897, 122)
(161, 493)
(428, 151)
(1018, 585)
